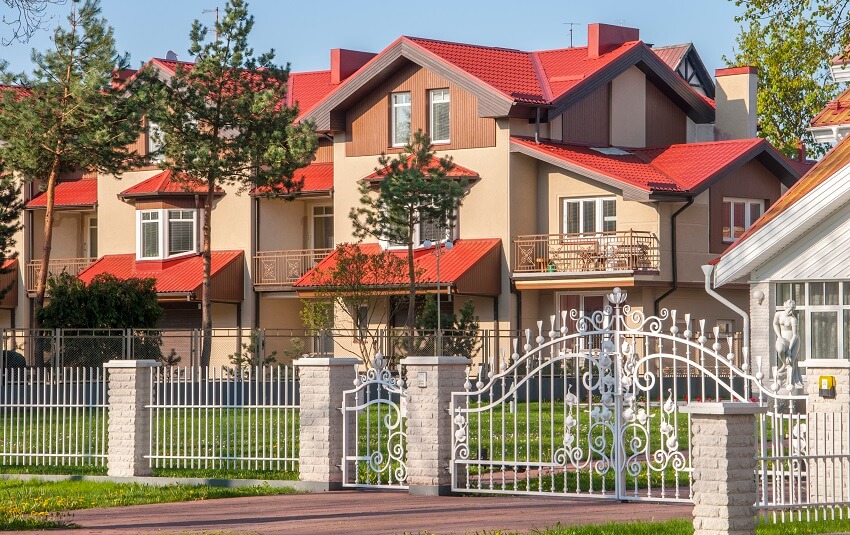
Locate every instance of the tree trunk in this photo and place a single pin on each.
(206, 302)
(411, 305)
(41, 285)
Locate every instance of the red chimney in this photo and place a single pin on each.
(344, 63)
(603, 38)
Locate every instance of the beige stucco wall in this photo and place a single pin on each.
(628, 109)
(68, 240)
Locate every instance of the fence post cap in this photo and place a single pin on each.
(147, 363)
(723, 408)
(327, 361)
(434, 361)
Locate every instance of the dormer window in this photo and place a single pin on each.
(165, 230)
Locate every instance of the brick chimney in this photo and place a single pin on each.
(344, 63)
(735, 102)
(603, 38)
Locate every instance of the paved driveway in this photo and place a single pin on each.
(368, 512)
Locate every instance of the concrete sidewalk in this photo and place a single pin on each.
(367, 512)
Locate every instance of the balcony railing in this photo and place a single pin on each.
(73, 266)
(629, 250)
(282, 268)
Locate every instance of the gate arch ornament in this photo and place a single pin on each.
(591, 408)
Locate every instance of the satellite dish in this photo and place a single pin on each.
(171, 55)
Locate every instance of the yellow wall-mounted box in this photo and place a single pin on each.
(826, 386)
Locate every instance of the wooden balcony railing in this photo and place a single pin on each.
(282, 268)
(74, 266)
(629, 250)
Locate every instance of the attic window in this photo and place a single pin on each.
(611, 151)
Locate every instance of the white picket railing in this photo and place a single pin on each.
(53, 417)
(231, 419)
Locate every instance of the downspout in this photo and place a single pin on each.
(256, 248)
(673, 254)
(708, 269)
(537, 126)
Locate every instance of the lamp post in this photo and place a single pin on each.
(438, 252)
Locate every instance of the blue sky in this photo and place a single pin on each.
(303, 32)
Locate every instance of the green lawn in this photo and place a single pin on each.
(44, 505)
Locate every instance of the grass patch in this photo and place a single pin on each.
(42, 504)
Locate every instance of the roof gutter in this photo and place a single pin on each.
(673, 253)
(708, 270)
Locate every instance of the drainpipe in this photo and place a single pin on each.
(673, 254)
(708, 269)
(537, 127)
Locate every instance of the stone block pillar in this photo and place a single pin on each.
(322, 382)
(724, 461)
(762, 337)
(430, 383)
(827, 425)
(129, 429)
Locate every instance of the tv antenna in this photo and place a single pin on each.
(571, 24)
(216, 20)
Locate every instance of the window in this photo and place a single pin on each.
(823, 317)
(181, 231)
(400, 119)
(149, 236)
(433, 230)
(166, 233)
(738, 216)
(589, 216)
(154, 142)
(440, 122)
(323, 227)
(91, 245)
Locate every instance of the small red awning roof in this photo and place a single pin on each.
(471, 267)
(69, 194)
(318, 179)
(458, 171)
(181, 277)
(166, 184)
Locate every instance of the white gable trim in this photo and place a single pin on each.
(792, 224)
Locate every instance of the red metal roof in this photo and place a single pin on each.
(69, 194)
(308, 88)
(454, 262)
(679, 168)
(563, 69)
(672, 55)
(836, 112)
(165, 183)
(458, 171)
(318, 178)
(180, 275)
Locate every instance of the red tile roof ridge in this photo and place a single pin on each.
(442, 41)
(540, 72)
(680, 45)
(307, 73)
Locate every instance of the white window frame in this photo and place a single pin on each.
(313, 217)
(600, 218)
(445, 98)
(394, 105)
(163, 236)
(805, 309)
(747, 216)
(91, 224)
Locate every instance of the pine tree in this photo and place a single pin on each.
(10, 213)
(67, 115)
(412, 191)
(223, 121)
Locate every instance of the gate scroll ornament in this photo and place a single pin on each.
(593, 408)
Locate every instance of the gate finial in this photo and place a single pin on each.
(617, 296)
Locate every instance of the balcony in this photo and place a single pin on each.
(629, 250)
(74, 266)
(277, 270)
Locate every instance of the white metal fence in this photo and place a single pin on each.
(233, 419)
(53, 417)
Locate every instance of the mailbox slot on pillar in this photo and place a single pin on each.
(826, 386)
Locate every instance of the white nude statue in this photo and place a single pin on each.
(787, 346)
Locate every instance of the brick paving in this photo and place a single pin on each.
(366, 512)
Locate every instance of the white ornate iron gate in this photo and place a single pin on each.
(595, 412)
(374, 433)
